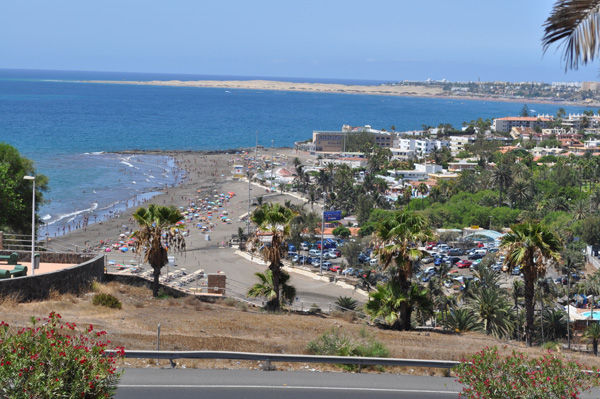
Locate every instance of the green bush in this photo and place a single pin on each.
(53, 359)
(106, 300)
(338, 343)
(489, 375)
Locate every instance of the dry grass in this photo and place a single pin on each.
(190, 324)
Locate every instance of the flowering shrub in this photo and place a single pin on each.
(53, 359)
(487, 375)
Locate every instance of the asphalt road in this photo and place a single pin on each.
(226, 384)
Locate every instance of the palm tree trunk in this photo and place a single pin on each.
(274, 304)
(156, 283)
(595, 347)
(542, 319)
(405, 314)
(529, 308)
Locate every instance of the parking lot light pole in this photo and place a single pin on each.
(322, 230)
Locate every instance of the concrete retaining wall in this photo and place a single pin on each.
(74, 279)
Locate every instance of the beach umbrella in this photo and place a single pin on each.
(111, 262)
(107, 249)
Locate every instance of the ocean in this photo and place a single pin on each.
(71, 129)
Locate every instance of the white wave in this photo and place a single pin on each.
(127, 163)
(147, 180)
(151, 177)
(133, 182)
(94, 153)
(47, 217)
(73, 215)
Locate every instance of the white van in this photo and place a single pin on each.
(314, 252)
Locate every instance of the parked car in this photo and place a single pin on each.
(348, 272)
(373, 262)
(314, 252)
(291, 254)
(476, 255)
(335, 251)
(291, 248)
(335, 268)
(304, 246)
(497, 267)
(332, 255)
(426, 260)
(326, 265)
(316, 262)
(452, 261)
(429, 270)
(493, 250)
(516, 271)
(295, 259)
(463, 264)
(456, 252)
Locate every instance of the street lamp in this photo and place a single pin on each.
(32, 178)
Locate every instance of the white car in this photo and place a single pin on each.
(331, 255)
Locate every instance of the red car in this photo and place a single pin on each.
(334, 268)
(463, 263)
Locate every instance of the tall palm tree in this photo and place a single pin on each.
(502, 178)
(266, 287)
(556, 324)
(531, 245)
(593, 334)
(520, 193)
(575, 24)
(274, 221)
(423, 189)
(544, 293)
(398, 239)
(516, 293)
(156, 236)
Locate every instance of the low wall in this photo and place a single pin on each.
(53, 257)
(74, 279)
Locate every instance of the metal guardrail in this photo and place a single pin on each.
(276, 357)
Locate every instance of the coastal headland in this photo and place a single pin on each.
(379, 90)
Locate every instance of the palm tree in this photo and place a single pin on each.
(273, 220)
(544, 292)
(155, 222)
(493, 311)
(575, 24)
(520, 193)
(593, 333)
(462, 320)
(266, 288)
(398, 239)
(517, 292)
(502, 178)
(346, 303)
(556, 324)
(531, 245)
(389, 301)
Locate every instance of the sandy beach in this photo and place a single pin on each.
(208, 175)
(382, 90)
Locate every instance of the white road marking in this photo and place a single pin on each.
(284, 387)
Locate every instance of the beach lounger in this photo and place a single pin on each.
(19, 271)
(4, 274)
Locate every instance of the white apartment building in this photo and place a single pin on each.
(421, 172)
(458, 143)
(421, 147)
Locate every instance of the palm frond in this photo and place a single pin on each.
(576, 24)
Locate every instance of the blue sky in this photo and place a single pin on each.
(380, 40)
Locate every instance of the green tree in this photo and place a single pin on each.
(593, 334)
(16, 193)
(591, 286)
(273, 220)
(502, 178)
(524, 110)
(389, 301)
(266, 288)
(531, 245)
(493, 311)
(398, 239)
(462, 320)
(156, 236)
(590, 230)
(342, 231)
(345, 303)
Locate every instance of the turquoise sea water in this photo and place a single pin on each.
(67, 127)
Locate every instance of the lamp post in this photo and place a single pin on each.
(32, 178)
(322, 231)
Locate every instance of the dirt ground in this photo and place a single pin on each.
(226, 325)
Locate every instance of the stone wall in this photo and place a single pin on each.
(75, 279)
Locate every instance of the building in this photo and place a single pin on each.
(420, 147)
(352, 162)
(421, 172)
(458, 143)
(462, 165)
(333, 142)
(505, 124)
